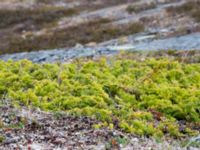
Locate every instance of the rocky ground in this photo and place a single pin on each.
(163, 30)
(65, 24)
(137, 42)
(33, 129)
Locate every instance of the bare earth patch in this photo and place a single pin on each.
(24, 128)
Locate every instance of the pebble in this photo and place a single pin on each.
(134, 140)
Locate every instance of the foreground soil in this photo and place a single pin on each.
(36, 130)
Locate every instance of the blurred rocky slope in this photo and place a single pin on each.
(65, 29)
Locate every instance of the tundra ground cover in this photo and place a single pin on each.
(38, 17)
(152, 97)
(99, 30)
(190, 8)
(142, 7)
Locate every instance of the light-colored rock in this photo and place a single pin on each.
(91, 44)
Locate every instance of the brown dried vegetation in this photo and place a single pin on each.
(191, 8)
(96, 31)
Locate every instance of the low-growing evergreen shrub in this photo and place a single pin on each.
(149, 97)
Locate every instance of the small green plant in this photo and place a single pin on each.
(58, 115)
(1, 124)
(115, 142)
(190, 143)
(2, 139)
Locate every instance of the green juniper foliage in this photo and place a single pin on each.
(147, 97)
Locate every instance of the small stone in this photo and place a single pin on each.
(42, 137)
(78, 45)
(134, 140)
(12, 140)
(91, 44)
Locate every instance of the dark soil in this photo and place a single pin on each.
(33, 129)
